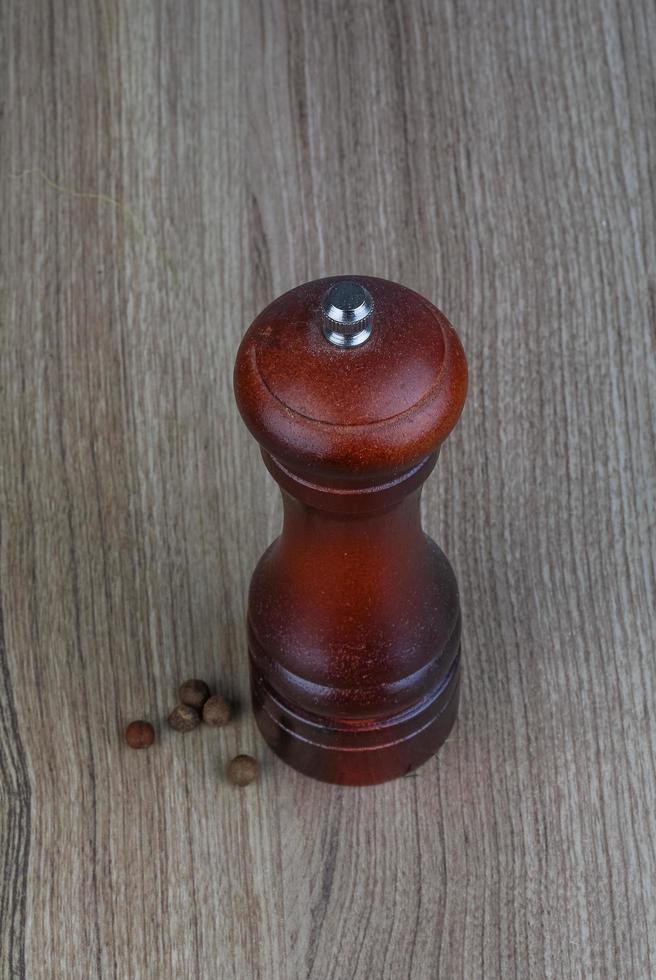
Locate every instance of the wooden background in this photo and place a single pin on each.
(167, 169)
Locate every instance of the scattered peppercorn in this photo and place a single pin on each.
(216, 711)
(184, 718)
(139, 734)
(194, 693)
(242, 770)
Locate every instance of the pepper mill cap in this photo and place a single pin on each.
(350, 378)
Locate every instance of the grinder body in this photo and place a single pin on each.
(353, 612)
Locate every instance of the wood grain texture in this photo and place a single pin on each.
(169, 168)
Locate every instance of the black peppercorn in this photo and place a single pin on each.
(216, 711)
(139, 734)
(243, 770)
(194, 693)
(184, 718)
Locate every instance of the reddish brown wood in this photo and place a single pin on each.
(353, 615)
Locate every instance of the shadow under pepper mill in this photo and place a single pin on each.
(350, 386)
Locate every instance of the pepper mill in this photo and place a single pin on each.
(350, 385)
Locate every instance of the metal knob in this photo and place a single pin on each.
(347, 309)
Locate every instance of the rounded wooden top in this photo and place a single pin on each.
(354, 413)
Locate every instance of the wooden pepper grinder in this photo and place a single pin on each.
(351, 385)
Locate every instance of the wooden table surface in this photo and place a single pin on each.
(168, 169)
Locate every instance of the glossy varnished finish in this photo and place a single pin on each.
(351, 416)
(354, 631)
(353, 614)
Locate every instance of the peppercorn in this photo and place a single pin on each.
(242, 770)
(184, 718)
(194, 693)
(139, 734)
(216, 711)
